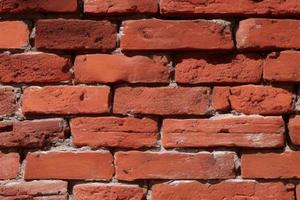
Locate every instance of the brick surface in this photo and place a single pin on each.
(9, 166)
(14, 35)
(294, 129)
(8, 101)
(220, 99)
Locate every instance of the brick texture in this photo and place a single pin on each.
(8, 100)
(9, 166)
(14, 35)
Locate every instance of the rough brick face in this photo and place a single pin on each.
(9, 166)
(106, 68)
(72, 34)
(294, 130)
(7, 101)
(14, 35)
(154, 34)
(220, 99)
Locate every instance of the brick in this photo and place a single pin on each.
(220, 99)
(97, 191)
(41, 6)
(114, 132)
(298, 192)
(73, 34)
(194, 190)
(240, 68)
(271, 165)
(8, 100)
(227, 8)
(146, 165)
(264, 34)
(276, 62)
(34, 68)
(119, 7)
(161, 101)
(294, 130)
(252, 132)
(14, 35)
(69, 165)
(265, 100)
(119, 68)
(9, 166)
(31, 134)
(35, 190)
(65, 100)
(155, 34)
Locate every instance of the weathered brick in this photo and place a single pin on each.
(69, 165)
(154, 34)
(14, 35)
(8, 100)
(254, 132)
(9, 166)
(271, 165)
(65, 100)
(283, 67)
(97, 191)
(240, 68)
(298, 192)
(119, 7)
(73, 34)
(266, 100)
(294, 130)
(114, 132)
(263, 34)
(220, 99)
(34, 68)
(119, 68)
(162, 100)
(194, 190)
(146, 165)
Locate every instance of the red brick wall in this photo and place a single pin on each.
(149, 99)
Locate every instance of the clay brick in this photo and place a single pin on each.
(271, 165)
(35, 190)
(97, 191)
(264, 34)
(114, 132)
(40, 6)
(240, 68)
(14, 35)
(8, 100)
(265, 100)
(294, 130)
(220, 99)
(229, 8)
(119, 68)
(253, 132)
(119, 7)
(69, 165)
(146, 165)
(73, 34)
(9, 166)
(31, 134)
(34, 68)
(154, 34)
(298, 192)
(283, 67)
(162, 100)
(65, 100)
(194, 190)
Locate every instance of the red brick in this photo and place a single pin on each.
(162, 100)
(253, 132)
(298, 192)
(294, 129)
(271, 165)
(114, 132)
(146, 165)
(154, 34)
(266, 100)
(119, 68)
(234, 190)
(35, 190)
(283, 67)
(118, 7)
(69, 165)
(73, 34)
(9, 166)
(263, 34)
(241, 68)
(40, 6)
(31, 134)
(14, 35)
(229, 8)
(65, 100)
(220, 99)
(8, 100)
(98, 191)
(34, 68)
